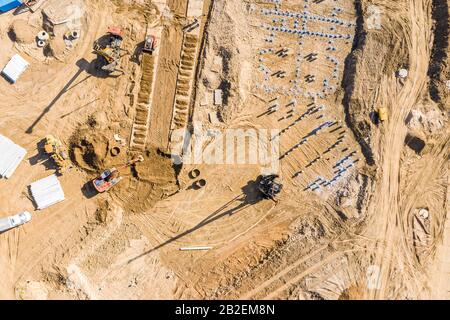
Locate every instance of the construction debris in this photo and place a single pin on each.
(55, 149)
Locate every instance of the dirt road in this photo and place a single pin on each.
(386, 204)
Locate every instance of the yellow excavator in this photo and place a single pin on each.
(111, 50)
(54, 148)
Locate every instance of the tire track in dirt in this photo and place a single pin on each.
(401, 100)
(282, 273)
(292, 274)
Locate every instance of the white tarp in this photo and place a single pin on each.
(15, 67)
(10, 156)
(195, 8)
(47, 192)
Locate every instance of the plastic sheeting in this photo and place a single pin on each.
(10, 156)
(47, 192)
(15, 67)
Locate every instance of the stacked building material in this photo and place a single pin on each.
(47, 192)
(10, 157)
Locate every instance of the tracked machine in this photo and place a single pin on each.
(270, 186)
(110, 51)
(110, 177)
(149, 43)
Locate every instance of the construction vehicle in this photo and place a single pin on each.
(269, 186)
(54, 148)
(110, 177)
(19, 219)
(110, 52)
(149, 44)
(383, 114)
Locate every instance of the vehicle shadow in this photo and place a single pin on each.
(42, 158)
(88, 190)
(136, 56)
(93, 69)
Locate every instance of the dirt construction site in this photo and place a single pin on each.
(345, 102)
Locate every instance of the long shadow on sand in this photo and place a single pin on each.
(91, 68)
(249, 196)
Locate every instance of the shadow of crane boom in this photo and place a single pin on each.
(249, 196)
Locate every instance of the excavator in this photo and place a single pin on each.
(149, 43)
(110, 177)
(111, 51)
(54, 148)
(269, 186)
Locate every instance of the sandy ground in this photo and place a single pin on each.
(347, 224)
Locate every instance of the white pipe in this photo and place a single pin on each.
(195, 248)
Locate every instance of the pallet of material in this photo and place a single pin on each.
(47, 192)
(11, 155)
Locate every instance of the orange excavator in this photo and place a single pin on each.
(110, 177)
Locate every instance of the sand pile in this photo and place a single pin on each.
(57, 47)
(89, 149)
(21, 32)
(147, 182)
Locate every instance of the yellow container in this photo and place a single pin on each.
(383, 114)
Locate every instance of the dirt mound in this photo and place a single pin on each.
(56, 48)
(88, 150)
(354, 292)
(147, 182)
(21, 32)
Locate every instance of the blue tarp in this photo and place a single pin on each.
(6, 5)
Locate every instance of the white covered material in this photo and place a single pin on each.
(195, 8)
(15, 67)
(47, 192)
(218, 96)
(10, 156)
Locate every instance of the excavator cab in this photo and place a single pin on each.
(149, 44)
(107, 179)
(269, 186)
(110, 177)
